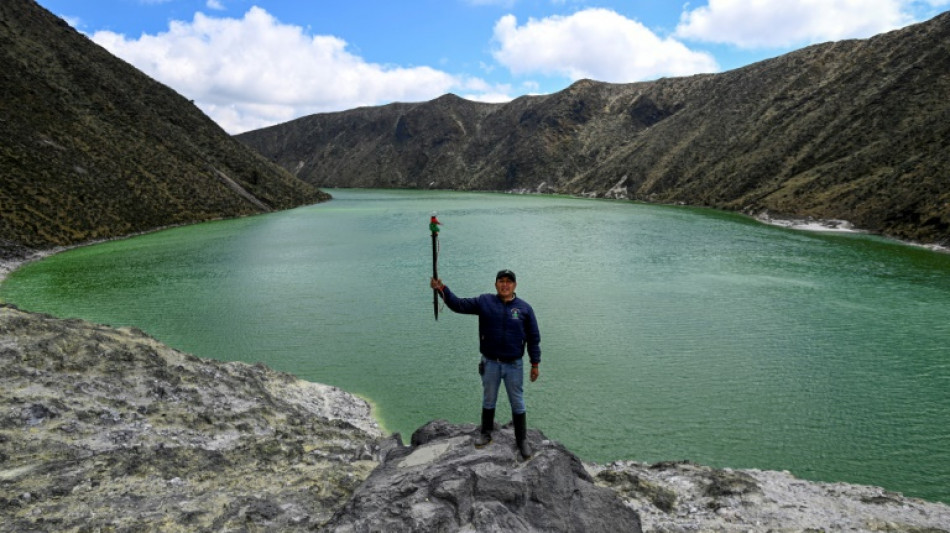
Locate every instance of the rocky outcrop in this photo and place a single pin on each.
(442, 483)
(91, 148)
(105, 429)
(110, 430)
(853, 130)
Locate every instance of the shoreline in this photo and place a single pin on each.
(8, 266)
(809, 224)
(832, 225)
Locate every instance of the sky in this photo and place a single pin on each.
(249, 64)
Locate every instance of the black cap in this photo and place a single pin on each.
(505, 274)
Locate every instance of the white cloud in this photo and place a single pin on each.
(72, 21)
(594, 43)
(531, 87)
(488, 98)
(215, 4)
(253, 72)
(479, 90)
(769, 24)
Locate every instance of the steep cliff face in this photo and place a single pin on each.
(92, 148)
(853, 130)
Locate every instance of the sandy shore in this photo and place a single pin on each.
(832, 226)
(9, 264)
(809, 224)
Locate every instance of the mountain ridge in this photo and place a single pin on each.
(854, 130)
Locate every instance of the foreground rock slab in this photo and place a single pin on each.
(443, 483)
(105, 429)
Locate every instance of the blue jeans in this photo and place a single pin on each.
(513, 375)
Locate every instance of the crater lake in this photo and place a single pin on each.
(668, 333)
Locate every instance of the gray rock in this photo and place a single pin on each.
(443, 483)
(105, 429)
(681, 497)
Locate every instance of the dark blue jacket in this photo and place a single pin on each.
(504, 329)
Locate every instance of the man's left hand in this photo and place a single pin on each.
(534, 373)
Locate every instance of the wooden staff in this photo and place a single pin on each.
(434, 228)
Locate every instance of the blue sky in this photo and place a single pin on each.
(253, 63)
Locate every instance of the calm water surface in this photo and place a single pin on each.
(667, 333)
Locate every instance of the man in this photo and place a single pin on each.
(506, 325)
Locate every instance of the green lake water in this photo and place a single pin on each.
(667, 333)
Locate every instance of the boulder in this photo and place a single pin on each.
(441, 482)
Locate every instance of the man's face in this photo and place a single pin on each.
(505, 288)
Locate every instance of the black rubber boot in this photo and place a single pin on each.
(521, 434)
(488, 423)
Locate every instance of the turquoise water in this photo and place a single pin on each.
(667, 333)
